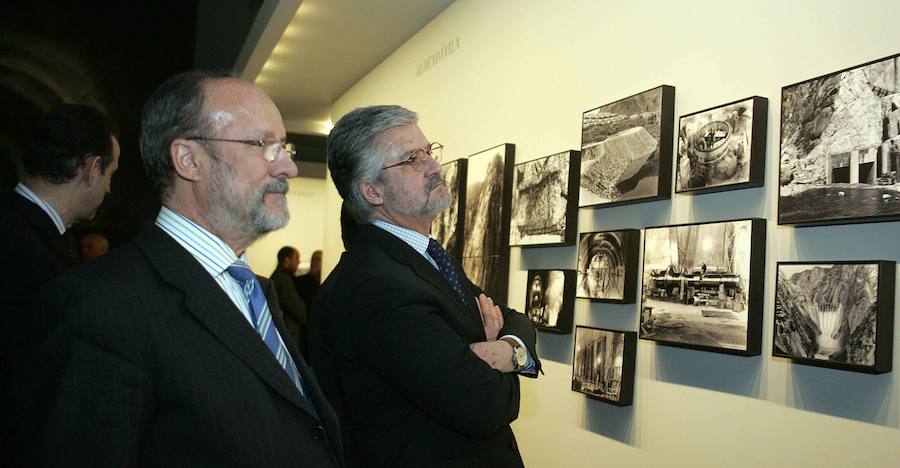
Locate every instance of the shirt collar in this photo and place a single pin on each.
(26, 192)
(212, 253)
(416, 240)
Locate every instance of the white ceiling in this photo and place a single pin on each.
(306, 53)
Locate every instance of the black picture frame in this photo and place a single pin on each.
(722, 148)
(839, 154)
(825, 314)
(626, 150)
(485, 257)
(593, 349)
(545, 201)
(607, 266)
(550, 300)
(448, 227)
(702, 285)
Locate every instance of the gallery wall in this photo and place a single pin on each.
(523, 72)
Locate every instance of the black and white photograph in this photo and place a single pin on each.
(603, 364)
(703, 285)
(835, 314)
(448, 227)
(723, 148)
(545, 201)
(840, 147)
(485, 256)
(550, 299)
(626, 149)
(607, 266)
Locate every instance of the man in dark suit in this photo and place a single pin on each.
(420, 364)
(292, 306)
(68, 169)
(174, 354)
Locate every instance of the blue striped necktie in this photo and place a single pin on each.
(445, 265)
(262, 320)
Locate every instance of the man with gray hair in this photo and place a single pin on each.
(420, 364)
(175, 354)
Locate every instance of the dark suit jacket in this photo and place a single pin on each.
(33, 254)
(160, 368)
(292, 306)
(389, 342)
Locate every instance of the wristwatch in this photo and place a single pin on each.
(519, 356)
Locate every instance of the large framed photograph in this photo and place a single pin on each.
(545, 201)
(626, 149)
(608, 266)
(550, 299)
(603, 364)
(722, 148)
(485, 256)
(840, 147)
(448, 226)
(703, 286)
(835, 314)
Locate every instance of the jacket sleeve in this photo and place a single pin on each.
(291, 303)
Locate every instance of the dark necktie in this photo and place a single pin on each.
(445, 265)
(262, 320)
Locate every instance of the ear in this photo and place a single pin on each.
(91, 170)
(184, 159)
(371, 193)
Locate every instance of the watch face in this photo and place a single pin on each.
(521, 358)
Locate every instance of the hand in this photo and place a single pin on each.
(498, 354)
(491, 317)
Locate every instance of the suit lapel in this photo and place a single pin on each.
(406, 255)
(214, 309)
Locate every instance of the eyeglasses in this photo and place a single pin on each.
(419, 156)
(272, 147)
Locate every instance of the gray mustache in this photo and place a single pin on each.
(279, 185)
(433, 181)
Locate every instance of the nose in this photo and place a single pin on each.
(283, 166)
(432, 166)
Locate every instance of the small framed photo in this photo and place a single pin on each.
(626, 149)
(608, 266)
(603, 364)
(835, 314)
(545, 201)
(703, 286)
(722, 148)
(448, 226)
(485, 257)
(840, 147)
(550, 300)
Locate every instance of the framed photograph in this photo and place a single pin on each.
(840, 147)
(835, 314)
(703, 286)
(603, 364)
(485, 256)
(626, 149)
(448, 227)
(545, 201)
(608, 265)
(550, 299)
(722, 148)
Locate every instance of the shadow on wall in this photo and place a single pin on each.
(737, 204)
(850, 395)
(610, 421)
(558, 348)
(720, 372)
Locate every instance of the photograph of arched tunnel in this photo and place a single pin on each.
(835, 314)
(607, 266)
(550, 299)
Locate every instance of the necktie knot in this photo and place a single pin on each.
(241, 272)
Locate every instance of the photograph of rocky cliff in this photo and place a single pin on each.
(549, 300)
(544, 204)
(607, 265)
(485, 256)
(626, 151)
(722, 148)
(447, 228)
(829, 312)
(840, 146)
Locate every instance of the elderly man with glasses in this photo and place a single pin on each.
(174, 353)
(420, 364)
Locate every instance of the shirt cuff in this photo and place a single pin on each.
(530, 367)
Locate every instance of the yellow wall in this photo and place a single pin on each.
(524, 72)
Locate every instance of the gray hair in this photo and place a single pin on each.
(175, 110)
(355, 156)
